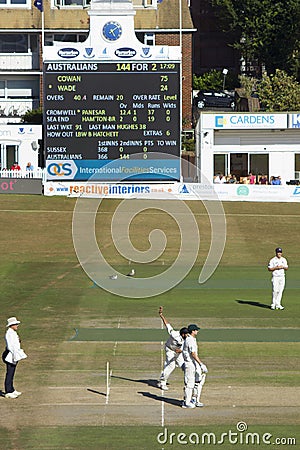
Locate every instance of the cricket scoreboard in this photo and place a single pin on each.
(114, 121)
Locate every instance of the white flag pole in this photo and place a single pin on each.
(43, 31)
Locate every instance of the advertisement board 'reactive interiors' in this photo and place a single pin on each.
(111, 100)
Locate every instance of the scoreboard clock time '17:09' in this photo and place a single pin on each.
(127, 112)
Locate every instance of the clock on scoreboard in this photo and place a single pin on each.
(112, 31)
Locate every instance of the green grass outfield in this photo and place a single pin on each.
(147, 437)
(72, 328)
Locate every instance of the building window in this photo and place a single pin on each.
(17, 43)
(148, 3)
(239, 165)
(15, 3)
(50, 38)
(146, 38)
(9, 153)
(221, 164)
(259, 165)
(71, 3)
(2, 89)
(19, 89)
(149, 39)
(86, 3)
(145, 3)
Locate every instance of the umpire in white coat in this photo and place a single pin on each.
(11, 356)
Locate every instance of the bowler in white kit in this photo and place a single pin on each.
(173, 349)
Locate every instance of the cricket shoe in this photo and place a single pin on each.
(17, 393)
(280, 307)
(188, 405)
(162, 386)
(11, 395)
(197, 404)
(272, 306)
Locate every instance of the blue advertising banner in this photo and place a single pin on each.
(125, 170)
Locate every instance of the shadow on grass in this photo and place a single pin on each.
(96, 392)
(170, 401)
(152, 383)
(251, 303)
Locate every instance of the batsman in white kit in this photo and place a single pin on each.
(194, 370)
(173, 350)
(277, 265)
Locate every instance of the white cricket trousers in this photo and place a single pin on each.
(189, 381)
(278, 284)
(172, 360)
(199, 382)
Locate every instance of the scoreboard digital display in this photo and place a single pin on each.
(127, 113)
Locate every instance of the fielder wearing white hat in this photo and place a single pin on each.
(12, 321)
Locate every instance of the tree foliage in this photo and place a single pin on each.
(33, 116)
(266, 30)
(213, 81)
(279, 92)
(248, 85)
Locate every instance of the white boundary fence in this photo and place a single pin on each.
(36, 173)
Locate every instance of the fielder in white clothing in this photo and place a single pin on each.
(194, 370)
(277, 265)
(173, 350)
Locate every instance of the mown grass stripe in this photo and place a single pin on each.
(208, 335)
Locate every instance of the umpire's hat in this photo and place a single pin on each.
(12, 321)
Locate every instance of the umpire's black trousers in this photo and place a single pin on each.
(10, 373)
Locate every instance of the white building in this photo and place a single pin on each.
(19, 143)
(240, 143)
